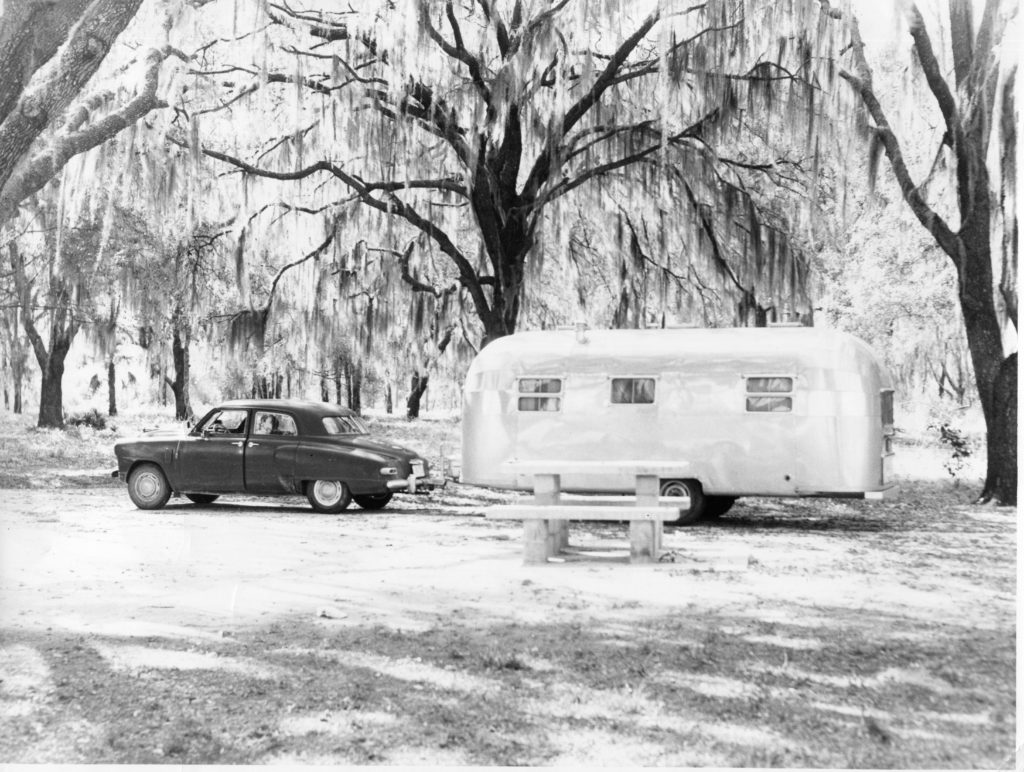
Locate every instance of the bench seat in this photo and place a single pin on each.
(581, 510)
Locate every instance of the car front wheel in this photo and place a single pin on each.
(692, 490)
(148, 487)
(330, 496)
(372, 500)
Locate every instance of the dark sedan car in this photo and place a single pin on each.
(271, 447)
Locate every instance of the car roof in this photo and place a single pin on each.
(301, 406)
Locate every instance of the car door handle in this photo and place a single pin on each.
(254, 444)
(240, 443)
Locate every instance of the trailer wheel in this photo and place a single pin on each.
(690, 489)
(716, 506)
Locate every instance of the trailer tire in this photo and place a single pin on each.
(692, 489)
(716, 506)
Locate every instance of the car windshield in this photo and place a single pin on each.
(344, 424)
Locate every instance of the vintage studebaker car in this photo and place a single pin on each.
(271, 447)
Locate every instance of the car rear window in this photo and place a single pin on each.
(344, 424)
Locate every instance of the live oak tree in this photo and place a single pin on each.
(975, 99)
(49, 52)
(472, 128)
(57, 281)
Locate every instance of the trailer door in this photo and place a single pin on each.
(770, 427)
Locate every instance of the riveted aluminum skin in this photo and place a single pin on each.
(834, 440)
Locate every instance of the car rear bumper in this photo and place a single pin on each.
(413, 484)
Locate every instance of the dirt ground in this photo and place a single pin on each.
(811, 633)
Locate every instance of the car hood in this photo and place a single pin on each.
(161, 433)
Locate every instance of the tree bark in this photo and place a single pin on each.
(51, 393)
(30, 34)
(111, 388)
(180, 384)
(357, 389)
(418, 388)
(59, 81)
(1001, 476)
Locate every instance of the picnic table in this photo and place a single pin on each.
(546, 519)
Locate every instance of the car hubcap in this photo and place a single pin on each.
(328, 492)
(147, 485)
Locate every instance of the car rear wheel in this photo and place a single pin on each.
(148, 487)
(202, 498)
(716, 506)
(330, 496)
(692, 490)
(372, 500)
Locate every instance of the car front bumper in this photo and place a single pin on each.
(413, 484)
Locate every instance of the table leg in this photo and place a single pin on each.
(645, 535)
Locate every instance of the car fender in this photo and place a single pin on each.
(356, 467)
(163, 456)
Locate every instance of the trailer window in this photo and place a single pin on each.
(632, 391)
(772, 394)
(537, 386)
(769, 385)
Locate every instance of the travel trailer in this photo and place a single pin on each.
(776, 411)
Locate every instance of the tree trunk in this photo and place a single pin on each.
(992, 372)
(389, 404)
(1001, 475)
(355, 387)
(111, 389)
(51, 392)
(325, 392)
(419, 386)
(179, 386)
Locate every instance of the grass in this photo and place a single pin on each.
(674, 691)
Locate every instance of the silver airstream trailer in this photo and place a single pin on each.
(777, 411)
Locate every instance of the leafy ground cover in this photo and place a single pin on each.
(789, 633)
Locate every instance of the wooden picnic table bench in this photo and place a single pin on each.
(546, 518)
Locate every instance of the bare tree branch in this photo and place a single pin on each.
(862, 84)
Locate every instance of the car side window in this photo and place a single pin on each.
(226, 422)
(274, 424)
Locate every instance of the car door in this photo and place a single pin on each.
(213, 461)
(270, 453)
